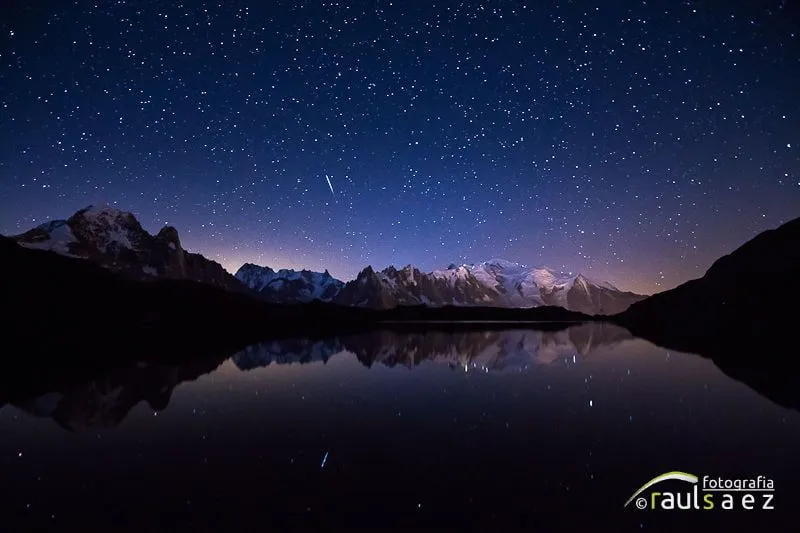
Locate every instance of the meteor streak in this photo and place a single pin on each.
(329, 184)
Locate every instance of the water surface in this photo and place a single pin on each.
(513, 429)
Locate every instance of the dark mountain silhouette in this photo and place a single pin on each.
(752, 292)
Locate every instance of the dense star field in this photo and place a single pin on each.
(634, 142)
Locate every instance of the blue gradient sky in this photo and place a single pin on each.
(635, 142)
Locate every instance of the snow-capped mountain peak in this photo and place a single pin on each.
(496, 282)
(94, 229)
(55, 235)
(116, 240)
(287, 285)
(103, 211)
(108, 227)
(597, 282)
(502, 264)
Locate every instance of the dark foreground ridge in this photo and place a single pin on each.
(748, 295)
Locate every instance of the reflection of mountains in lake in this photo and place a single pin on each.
(105, 400)
(491, 350)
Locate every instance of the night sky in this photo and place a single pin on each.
(634, 142)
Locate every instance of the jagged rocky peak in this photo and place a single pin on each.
(406, 271)
(496, 282)
(367, 272)
(169, 235)
(409, 270)
(254, 276)
(115, 239)
(251, 267)
(287, 285)
(110, 229)
(502, 264)
(51, 226)
(55, 235)
(410, 274)
(105, 215)
(103, 211)
(90, 232)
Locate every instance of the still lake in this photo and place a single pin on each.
(488, 429)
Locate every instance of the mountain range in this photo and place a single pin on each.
(116, 240)
(495, 283)
(754, 286)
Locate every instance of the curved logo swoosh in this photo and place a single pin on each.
(682, 476)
